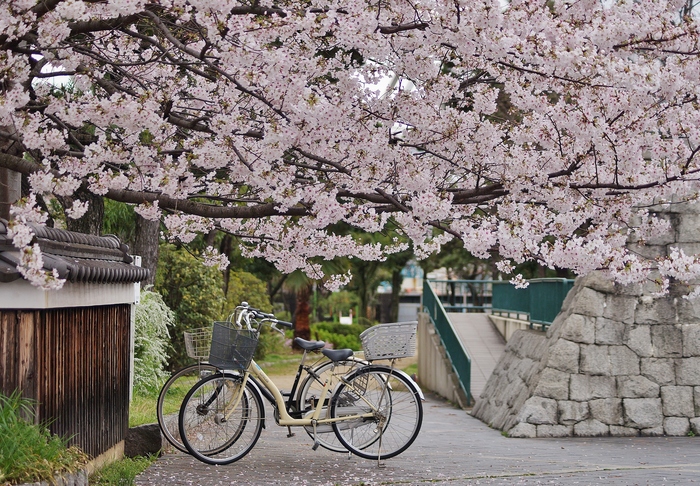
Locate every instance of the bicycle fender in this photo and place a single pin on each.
(256, 386)
(392, 370)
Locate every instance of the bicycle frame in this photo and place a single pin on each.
(285, 419)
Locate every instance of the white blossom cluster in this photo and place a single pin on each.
(538, 130)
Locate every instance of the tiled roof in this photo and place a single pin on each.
(77, 257)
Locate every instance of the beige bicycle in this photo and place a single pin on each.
(375, 410)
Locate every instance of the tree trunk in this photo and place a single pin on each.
(302, 327)
(396, 280)
(91, 222)
(146, 245)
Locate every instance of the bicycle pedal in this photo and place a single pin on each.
(315, 446)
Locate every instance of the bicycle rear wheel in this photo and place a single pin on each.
(170, 399)
(393, 405)
(310, 392)
(221, 418)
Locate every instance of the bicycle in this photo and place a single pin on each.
(375, 411)
(197, 343)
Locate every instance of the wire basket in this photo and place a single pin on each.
(197, 342)
(232, 348)
(389, 341)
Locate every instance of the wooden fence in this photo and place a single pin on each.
(74, 363)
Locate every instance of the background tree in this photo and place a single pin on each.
(193, 293)
(534, 129)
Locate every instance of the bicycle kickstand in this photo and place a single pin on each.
(289, 432)
(316, 442)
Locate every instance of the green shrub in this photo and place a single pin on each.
(339, 335)
(194, 293)
(121, 473)
(152, 320)
(30, 452)
(246, 287)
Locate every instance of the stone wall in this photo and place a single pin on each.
(616, 361)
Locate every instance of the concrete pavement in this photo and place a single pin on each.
(453, 449)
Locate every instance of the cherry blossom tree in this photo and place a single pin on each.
(533, 128)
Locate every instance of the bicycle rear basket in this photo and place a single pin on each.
(232, 348)
(198, 342)
(389, 341)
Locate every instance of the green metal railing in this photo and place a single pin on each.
(538, 303)
(456, 352)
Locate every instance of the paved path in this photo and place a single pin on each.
(452, 449)
(483, 342)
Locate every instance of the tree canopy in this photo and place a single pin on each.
(532, 128)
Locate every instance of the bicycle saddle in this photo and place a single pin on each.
(337, 354)
(309, 345)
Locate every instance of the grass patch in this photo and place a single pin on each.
(411, 369)
(33, 454)
(121, 473)
(143, 409)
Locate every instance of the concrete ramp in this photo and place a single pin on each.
(483, 342)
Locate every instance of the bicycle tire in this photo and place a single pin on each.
(397, 411)
(170, 399)
(219, 422)
(310, 391)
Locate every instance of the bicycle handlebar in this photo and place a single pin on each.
(247, 312)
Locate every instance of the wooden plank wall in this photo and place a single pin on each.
(74, 363)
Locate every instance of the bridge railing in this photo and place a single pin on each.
(457, 354)
(539, 303)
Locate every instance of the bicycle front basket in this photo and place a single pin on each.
(389, 341)
(232, 348)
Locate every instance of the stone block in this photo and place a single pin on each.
(676, 426)
(579, 329)
(571, 412)
(554, 431)
(539, 411)
(648, 251)
(618, 431)
(585, 387)
(677, 401)
(598, 280)
(607, 411)
(696, 400)
(643, 413)
(691, 339)
(623, 361)
(688, 371)
(588, 302)
(652, 432)
(553, 384)
(595, 360)
(667, 341)
(659, 370)
(591, 428)
(688, 228)
(689, 312)
(608, 331)
(620, 308)
(637, 387)
(523, 431)
(564, 356)
(143, 440)
(653, 311)
(695, 425)
(638, 339)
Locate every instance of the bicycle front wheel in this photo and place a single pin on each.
(221, 418)
(381, 412)
(171, 396)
